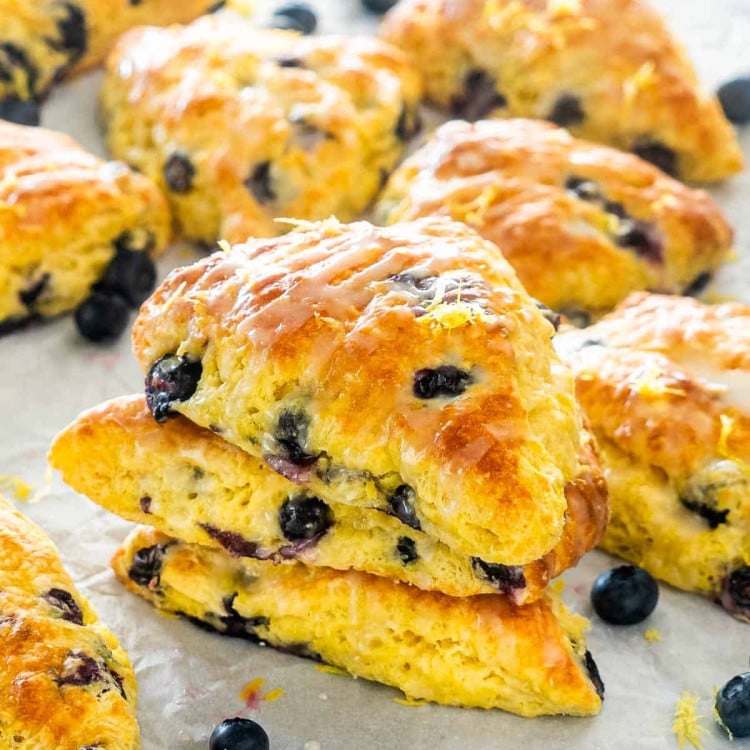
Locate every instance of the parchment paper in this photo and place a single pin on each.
(190, 680)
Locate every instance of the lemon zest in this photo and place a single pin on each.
(273, 695)
(652, 635)
(687, 726)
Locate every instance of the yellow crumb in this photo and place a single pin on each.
(16, 486)
(251, 688)
(558, 586)
(328, 669)
(412, 702)
(648, 382)
(687, 726)
(652, 635)
(175, 294)
(641, 79)
(273, 695)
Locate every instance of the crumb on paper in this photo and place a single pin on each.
(411, 702)
(328, 669)
(252, 694)
(686, 725)
(16, 486)
(652, 635)
(273, 695)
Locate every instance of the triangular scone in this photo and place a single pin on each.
(187, 482)
(583, 225)
(609, 70)
(665, 382)
(404, 369)
(65, 682)
(478, 651)
(67, 220)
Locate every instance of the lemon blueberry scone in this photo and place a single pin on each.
(403, 369)
(665, 381)
(65, 682)
(609, 70)
(189, 483)
(73, 228)
(480, 651)
(242, 125)
(583, 225)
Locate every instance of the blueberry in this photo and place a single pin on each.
(378, 6)
(593, 672)
(304, 517)
(291, 435)
(698, 284)
(178, 173)
(20, 111)
(734, 97)
(14, 65)
(31, 294)
(505, 578)
(238, 734)
(658, 154)
(624, 595)
(402, 506)
(236, 625)
(638, 236)
(549, 314)
(260, 183)
(706, 509)
(733, 705)
(406, 549)
(64, 602)
(586, 190)
(576, 317)
(478, 98)
(171, 379)
(296, 17)
(73, 32)
(131, 274)
(235, 544)
(101, 317)
(567, 110)
(738, 586)
(408, 124)
(81, 669)
(445, 380)
(146, 566)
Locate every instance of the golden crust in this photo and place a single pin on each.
(243, 125)
(583, 225)
(65, 681)
(608, 69)
(477, 651)
(314, 348)
(189, 483)
(61, 212)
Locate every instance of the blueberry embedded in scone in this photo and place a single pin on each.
(583, 225)
(609, 70)
(242, 125)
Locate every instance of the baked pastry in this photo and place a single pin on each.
(403, 369)
(609, 70)
(664, 382)
(476, 651)
(189, 483)
(69, 220)
(242, 125)
(42, 41)
(65, 682)
(582, 225)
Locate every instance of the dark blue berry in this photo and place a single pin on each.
(296, 17)
(303, 517)
(735, 99)
(402, 506)
(738, 586)
(86, 671)
(171, 379)
(733, 705)
(73, 32)
(698, 284)
(260, 183)
(593, 672)
(235, 544)
(20, 111)
(505, 578)
(64, 602)
(238, 734)
(442, 381)
(291, 435)
(102, 317)
(586, 190)
(478, 98)
(378, 6)
(408, 124)
(34, 291)
(131, 274)
(179, 172)
(549, 314)
(706, 508)
(638, 236)
(406, 549)
(658, 154)
(567, 110)
(624, 595)
(146, 566)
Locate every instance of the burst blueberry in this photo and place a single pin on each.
(478, 98)
(171, 379)
(402, 503)
(238, 734)
(445, 380)
(146, 566)
(625, 595)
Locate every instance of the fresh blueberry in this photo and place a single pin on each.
(131, 274)
(478, 98)
(733, 705)
(171, 379)
(505, 578)
(445, 380)
(402, 506)
(179, 172)
(406, 548)
(567, 110)
(296, 17)
(238, 734)
(624, 595)
(378, 6)
(20, 111)
(734, 96)
(658, 154)
(303, 517)
(101, 317)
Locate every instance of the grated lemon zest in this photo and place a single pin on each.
(411, 702)
(16, 486)
(273, 695)
(652, 635)
(328, 669)
(473, 211)
(173, 297)
(647, 383)
(558, 586)
(686, 725)
(252, 688)
(641, 79)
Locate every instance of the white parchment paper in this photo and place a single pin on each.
(190, 680)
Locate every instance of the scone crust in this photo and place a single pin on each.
(65, 681)
(628, 227)
(327, 330)
(610, 68)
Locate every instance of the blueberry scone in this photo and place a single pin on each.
(402, 369)
(72, 227)
(609, 70)
(583, 225)
(242, 125)
(65, 682)
(42, 41)
(478, 651)
(189, 483)
(665, 381)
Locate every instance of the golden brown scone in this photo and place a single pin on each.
(666, 384)
(65, 682)
(583, 225)
(70, 221)
(478, 651)
(404, 369)
(609, 70)
(189, 483)
(242, 125)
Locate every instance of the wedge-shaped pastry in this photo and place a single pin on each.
(189, 483)
(609, 70)
(70, 223)
(665, 381)
(65, 682)
(242, 125)
(403, 369)
(476, 651)
(42, 41)
(582, 225)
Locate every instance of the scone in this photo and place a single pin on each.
(664, 381)
(242, 125)
(583, 225)
(189, 483)
(65, 682)
(42, 41)
(403, 369)
(70, 221)
(609, 70)
(478, 651)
